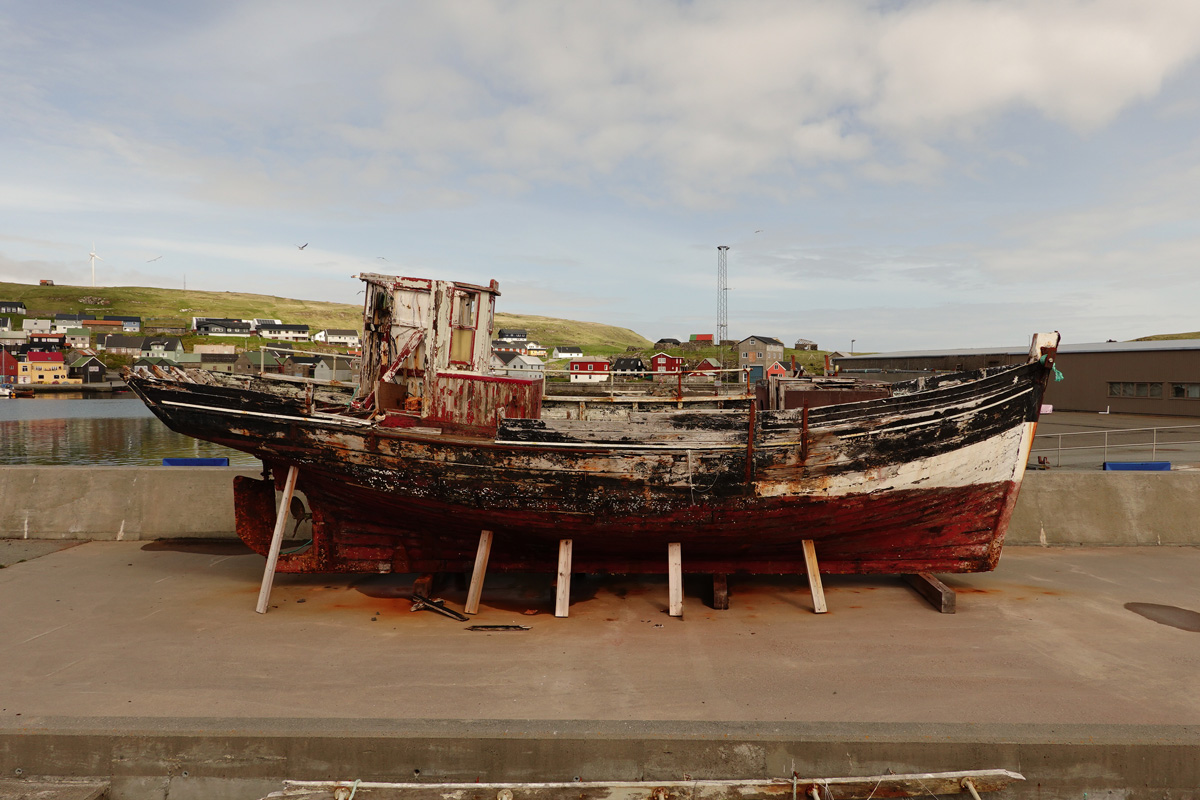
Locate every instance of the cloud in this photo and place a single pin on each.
(695, 103)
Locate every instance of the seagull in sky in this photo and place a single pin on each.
(302, 246)
(381, 258)
(759, 230)
(156, 258)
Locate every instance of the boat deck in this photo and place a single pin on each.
(128, 656)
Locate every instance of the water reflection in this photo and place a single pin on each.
(84, 429)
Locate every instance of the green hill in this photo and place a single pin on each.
(1164, 336)
(166, 306)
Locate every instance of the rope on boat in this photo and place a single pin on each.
(1058, 376)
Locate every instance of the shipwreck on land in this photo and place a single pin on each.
(402, 472)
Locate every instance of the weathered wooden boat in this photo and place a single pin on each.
(404, 471)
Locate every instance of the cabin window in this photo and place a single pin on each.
(462, 339)
(1185, 391)
(590, 367)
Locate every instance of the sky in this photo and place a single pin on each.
(889, 175)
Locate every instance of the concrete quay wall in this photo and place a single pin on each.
(131, 503)
(226, 760)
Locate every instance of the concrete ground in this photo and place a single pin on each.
(1057, 651)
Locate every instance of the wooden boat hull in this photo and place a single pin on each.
(921, 482)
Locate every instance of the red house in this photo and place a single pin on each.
(8, 367)
(778, 370)
(588, 369)
(661, 362)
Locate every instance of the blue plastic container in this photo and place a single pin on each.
(1138, 466)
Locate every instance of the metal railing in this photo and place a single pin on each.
(1154, 440)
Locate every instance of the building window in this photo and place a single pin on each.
(1185, 391)
(591, 367)
(1131, 389)
(745, 355)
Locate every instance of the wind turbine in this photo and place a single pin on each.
(94, 258)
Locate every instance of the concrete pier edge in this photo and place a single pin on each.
(218, 758)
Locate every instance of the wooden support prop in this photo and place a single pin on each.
(481, 560)
(285, 502)
(562, 600)
(423, 585)
(939, 595)
(720, 591)
(675, 579)
(814, 577)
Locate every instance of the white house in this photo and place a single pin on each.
(284, 333)
(36, 325)
(346, 338)
(515, 365)
(566, 352)
(329, 368)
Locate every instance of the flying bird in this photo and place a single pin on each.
(302, 246)
(381, 258)
(156, 258)
(759, 230)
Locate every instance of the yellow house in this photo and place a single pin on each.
(43, 368)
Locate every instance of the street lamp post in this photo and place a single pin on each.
(852, 341)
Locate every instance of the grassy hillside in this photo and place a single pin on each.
(593, 338)
(1164, 336)
(180, 305)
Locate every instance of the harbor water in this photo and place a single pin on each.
(79, 429)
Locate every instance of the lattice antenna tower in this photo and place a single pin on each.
(722, 295)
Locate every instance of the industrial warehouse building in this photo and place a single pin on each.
(1159, 377)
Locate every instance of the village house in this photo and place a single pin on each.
(161, 347)
(515, 365)
(566, 352)
(759, 351)
(284, 333)
(589, 369)
(299, 366)
(805, 344)
(217, 362)
(512, 334)
(5, 324)
(629, 367)
(9, 367)
(776, 370)
(701, 338)
(13, 307)
(43, 368)
(64, 321)
(667, 342)
(329, 368)
(505, 346)
(77, 337)
(662, 363)
(36, 325)
(223, 327)
(128, 324)
(120, 345)
(707, 366)
(257, 361)
(46, 342)
(338, 336)
(13, 340)
(87, 369)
